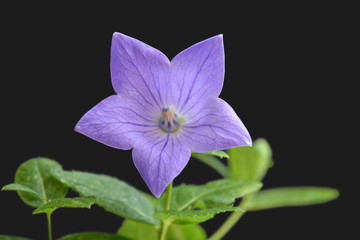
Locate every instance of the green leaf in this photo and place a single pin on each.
(77, 202)
(210, 160)
(22, 188)
(213, 194)
(220, 154)
(290, 197)
(140, 231)
(112, 194)
(185, 232)
(250, 163)
(93, 236)
(151, 198)
(35, 184)
(193, 216)
(3, 237)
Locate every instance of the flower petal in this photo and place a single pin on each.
(138, 69)
(197, 72)
(159, 159)
(117, 122)
(214, 126)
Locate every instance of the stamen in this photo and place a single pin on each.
(169, 121)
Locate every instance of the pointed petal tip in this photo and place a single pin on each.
(156, 188)
(119, 36)
(77, 128)
(157, 194)
(247, 140)
(115, 34)
(216, 39)
(219, 37)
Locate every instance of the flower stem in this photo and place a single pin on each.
(165, 224)
(229, 223)
(168, 196)
(163, 230)
(49, 224)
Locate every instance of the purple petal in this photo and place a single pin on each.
(197, 72)
(117, 122)
(159, 159)
(214, 126)
(138, 69)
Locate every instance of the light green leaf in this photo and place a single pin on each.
(250, 163)
(213, 194)
(290, 197)
(35, 174)
(193, 216)
(220, 154)
(3, 237)
(199, 205)
(77, 202)
(151, 198)
(93, 236)
(112, 194)
(210, 160)
(140, 231)
(22, 188)
(185, 232)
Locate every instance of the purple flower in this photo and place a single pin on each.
(165, 110)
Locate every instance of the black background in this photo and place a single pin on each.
(286, 78)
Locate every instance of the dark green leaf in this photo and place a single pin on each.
(77, 202)
(93, 236)
(213, 162)
(290, 197)
(216, 193)
(112, 194)
(193, 216)
(140, 231)
(250, 163)
(35, 174)
(22, 188)
(3, 237)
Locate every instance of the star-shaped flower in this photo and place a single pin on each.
(163, 109)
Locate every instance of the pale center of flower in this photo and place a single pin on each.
(169, 121)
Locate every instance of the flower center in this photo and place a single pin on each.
(169, 121)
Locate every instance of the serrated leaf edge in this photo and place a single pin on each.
(188, 203)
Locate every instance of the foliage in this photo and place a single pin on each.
(41, 183)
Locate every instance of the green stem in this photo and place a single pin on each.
(49, 225)
(163, 230)
(165, 225)
(229, 223)
(168, 196)
(213, 162)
